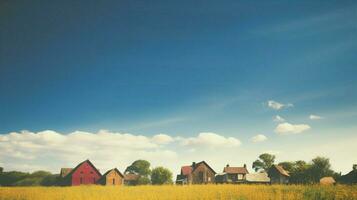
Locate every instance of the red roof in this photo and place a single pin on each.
(186, 170)
(235, 170)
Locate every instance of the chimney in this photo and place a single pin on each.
(227, 165)
(193, 164)
(245, 166)
(354, 167)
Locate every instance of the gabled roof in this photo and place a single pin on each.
(281, 170)
(235, 170)
(202, 162)
(65, 171)
(131, 177)
(116, 170)
(86, 161)
(186, 170)
(261, 177)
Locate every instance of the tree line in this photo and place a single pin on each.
(301, 172)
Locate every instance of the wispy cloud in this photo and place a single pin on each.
(277, 118)
(277, 106)
(315, 117)
(327, 22)
(288, 129)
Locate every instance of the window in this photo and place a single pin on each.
(91, 172)
(81, 180)
(81, 172)
(113, 181)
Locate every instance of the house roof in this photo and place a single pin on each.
(116, 170)
(86, 161)
(131, 177)
(281, 170)
(202, 162)
(186, 170)
(235, 170)
(327, 180)
(261, 177)
(65, 171)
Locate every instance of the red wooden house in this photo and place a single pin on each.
(84, 174)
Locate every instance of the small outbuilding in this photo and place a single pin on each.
(112, 177)
(257, 178)
(131, 178)
(278, 175)
(327, 181)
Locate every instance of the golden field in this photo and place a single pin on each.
(236, 192)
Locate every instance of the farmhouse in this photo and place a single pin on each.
(278, 175)
(85, 173)
(232, 174)
(112, 177)
(197, 173)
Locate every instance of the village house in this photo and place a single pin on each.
(232, 174)
(197, 173)
(257, 178)
(351, 177)
(278, 175)
(112, 177)
(85, 173)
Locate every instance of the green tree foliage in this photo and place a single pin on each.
(264, 162)
(1, 169)
(14, 178)
(161, 175)
(320, 167)
(10, 178)
(304, 173)
(141, 167)
(143, 180)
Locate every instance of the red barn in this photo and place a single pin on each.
(84, 174)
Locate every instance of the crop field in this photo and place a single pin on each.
(237, 192)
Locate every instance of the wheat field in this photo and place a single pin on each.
(202, 192)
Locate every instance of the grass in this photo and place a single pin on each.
(202, 192)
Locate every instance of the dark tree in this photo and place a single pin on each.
(161, 175)
(141, 167)
(264, 162)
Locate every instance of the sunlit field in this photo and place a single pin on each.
(274, 192)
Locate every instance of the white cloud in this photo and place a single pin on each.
(162, 139)
(315, 117)
(50, 150)
(279, 119)
(259, 138)
(277, 106)
(287, 128)
(210, 140)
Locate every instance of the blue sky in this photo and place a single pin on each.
(183, 68)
